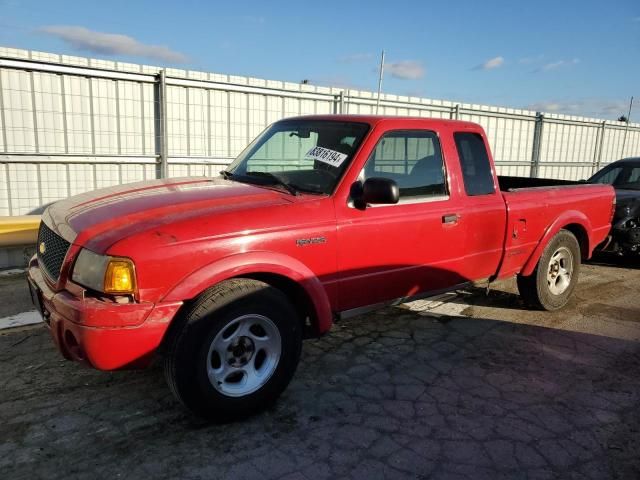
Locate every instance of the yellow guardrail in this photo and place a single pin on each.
(20, 230)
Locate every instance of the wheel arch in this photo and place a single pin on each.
(580, 232)
(289, 275)
(298, 296)
(574, 221)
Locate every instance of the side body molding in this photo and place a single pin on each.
(570, 217)
(252, 263)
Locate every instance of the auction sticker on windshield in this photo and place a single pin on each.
(326, 155)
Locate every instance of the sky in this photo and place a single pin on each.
(573, 57)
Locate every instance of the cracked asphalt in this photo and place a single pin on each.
(493, 392)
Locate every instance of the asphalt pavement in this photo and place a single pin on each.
(467, 386)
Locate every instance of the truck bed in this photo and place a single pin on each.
(535, 206)
(509, 183)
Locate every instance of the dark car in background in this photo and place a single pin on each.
(624, 175)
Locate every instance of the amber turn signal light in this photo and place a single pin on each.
(120, 277)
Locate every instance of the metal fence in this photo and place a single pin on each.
(71, 124)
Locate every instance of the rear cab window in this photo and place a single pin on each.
(474, 162)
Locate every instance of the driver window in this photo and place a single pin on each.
(411, 158)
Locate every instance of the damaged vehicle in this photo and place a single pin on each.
(624, 176)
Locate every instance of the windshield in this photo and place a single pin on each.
(300, 155)
(625, 177)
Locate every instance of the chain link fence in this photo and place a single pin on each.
(72, 124)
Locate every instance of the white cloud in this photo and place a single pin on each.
(83, 39)
(558, 64)
(587, 107)
(405, 69)
(492, 63)
(356, 57)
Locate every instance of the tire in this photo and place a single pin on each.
(552, 282)
(236, 351)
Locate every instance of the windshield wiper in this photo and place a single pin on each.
(300, 188)
(275, 180)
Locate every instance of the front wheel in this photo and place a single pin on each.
(236, 351)
(555, 276)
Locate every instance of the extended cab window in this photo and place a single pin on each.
(413, 159)
(476, 168)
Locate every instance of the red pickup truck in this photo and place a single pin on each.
(320, 218)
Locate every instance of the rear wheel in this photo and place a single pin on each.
(556, 274)
(236, 352)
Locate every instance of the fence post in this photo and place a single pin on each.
(455, 112)
(162, 143)
(624, 139)
(338, 103)
(537, 142)
(598, 148)
(603, 128)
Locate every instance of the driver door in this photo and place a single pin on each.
(386, 252)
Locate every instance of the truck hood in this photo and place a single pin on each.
(100, 218)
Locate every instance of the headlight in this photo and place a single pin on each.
(103, 273)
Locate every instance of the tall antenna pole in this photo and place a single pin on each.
(626, 129)
(380, 81)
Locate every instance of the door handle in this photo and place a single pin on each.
(451, 218)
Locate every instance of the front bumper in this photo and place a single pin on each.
(105, 335)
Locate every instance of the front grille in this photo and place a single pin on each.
(55, 249)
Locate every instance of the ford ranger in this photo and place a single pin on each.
(320, 218)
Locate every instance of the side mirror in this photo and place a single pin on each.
(375, 191)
